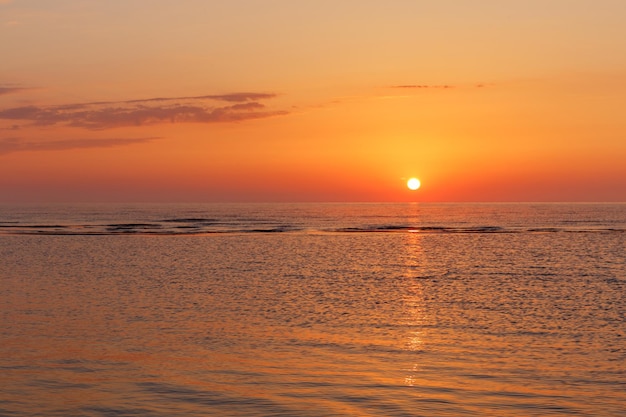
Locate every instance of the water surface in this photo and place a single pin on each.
(313, 309)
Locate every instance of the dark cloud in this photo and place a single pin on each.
(12, 127)
(105, 115)
(21, 113)
(110, 117)
(11, 145)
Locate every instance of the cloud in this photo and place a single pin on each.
(233, 97)
(418, 86)
(438, 86)
(240, 97)
(11, 145)
(143, 115)
(139, 112)
(10, 90)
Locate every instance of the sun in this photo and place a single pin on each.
(413, 184)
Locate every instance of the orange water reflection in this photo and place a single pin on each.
(413, 301)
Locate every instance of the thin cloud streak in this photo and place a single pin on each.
(139, 112)
(11, 145)
(436, 86)
(421, 86)
(11, 90)
(232, 97)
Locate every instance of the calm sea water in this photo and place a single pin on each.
(313, 310)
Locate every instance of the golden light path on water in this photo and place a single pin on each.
(414, 304)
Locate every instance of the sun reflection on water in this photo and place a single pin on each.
(414, 300)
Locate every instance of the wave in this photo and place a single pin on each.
(429, 229)
(205, 226)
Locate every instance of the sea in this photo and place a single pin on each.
(407, 309)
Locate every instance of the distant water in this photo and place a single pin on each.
(313, 310)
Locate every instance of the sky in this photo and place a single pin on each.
(297, 101)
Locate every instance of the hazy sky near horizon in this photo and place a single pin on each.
(343, 100)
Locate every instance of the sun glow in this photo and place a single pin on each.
(413, 184)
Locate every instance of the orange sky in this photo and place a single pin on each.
(279, 100)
